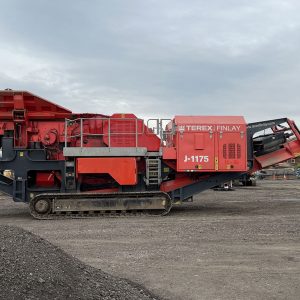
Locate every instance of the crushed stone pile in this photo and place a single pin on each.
(32, 268)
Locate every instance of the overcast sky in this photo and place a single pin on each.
(156, 57)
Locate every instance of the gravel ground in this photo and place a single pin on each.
(243, 244)
(32, 268)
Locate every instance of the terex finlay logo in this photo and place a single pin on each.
(209, 128)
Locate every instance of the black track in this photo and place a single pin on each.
(97, 211)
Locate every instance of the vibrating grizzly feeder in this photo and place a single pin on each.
(79, 165)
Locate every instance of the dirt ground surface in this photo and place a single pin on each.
(243, 244)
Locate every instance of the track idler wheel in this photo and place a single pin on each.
(40, 206)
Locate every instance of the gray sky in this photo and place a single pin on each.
(156, 58)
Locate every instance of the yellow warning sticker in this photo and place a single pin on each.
(216, 163)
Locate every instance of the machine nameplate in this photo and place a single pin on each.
(196, 158)
(211, 128)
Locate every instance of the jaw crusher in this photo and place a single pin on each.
(66, 164)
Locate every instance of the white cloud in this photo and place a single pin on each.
(156, 58)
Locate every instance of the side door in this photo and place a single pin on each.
(196, 151)
(232, 151)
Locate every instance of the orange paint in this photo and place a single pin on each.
(122, 169)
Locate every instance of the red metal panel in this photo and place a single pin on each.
(122, 169)
(36, 107)
(190, 158)
(180, 181)
(199, 140)
(169, 153)
(232, 151)
(45, 179)
(211, 143)
(126, 130)
(18, 102)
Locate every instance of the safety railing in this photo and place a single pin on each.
(154, 126)
(163, 129)
(80, 122)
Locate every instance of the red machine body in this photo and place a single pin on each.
(52, 151)
(208, 144)
(31, 118)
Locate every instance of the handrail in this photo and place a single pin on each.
(160, 131)
(110, 133)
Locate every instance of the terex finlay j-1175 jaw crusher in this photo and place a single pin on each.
(78, 165)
